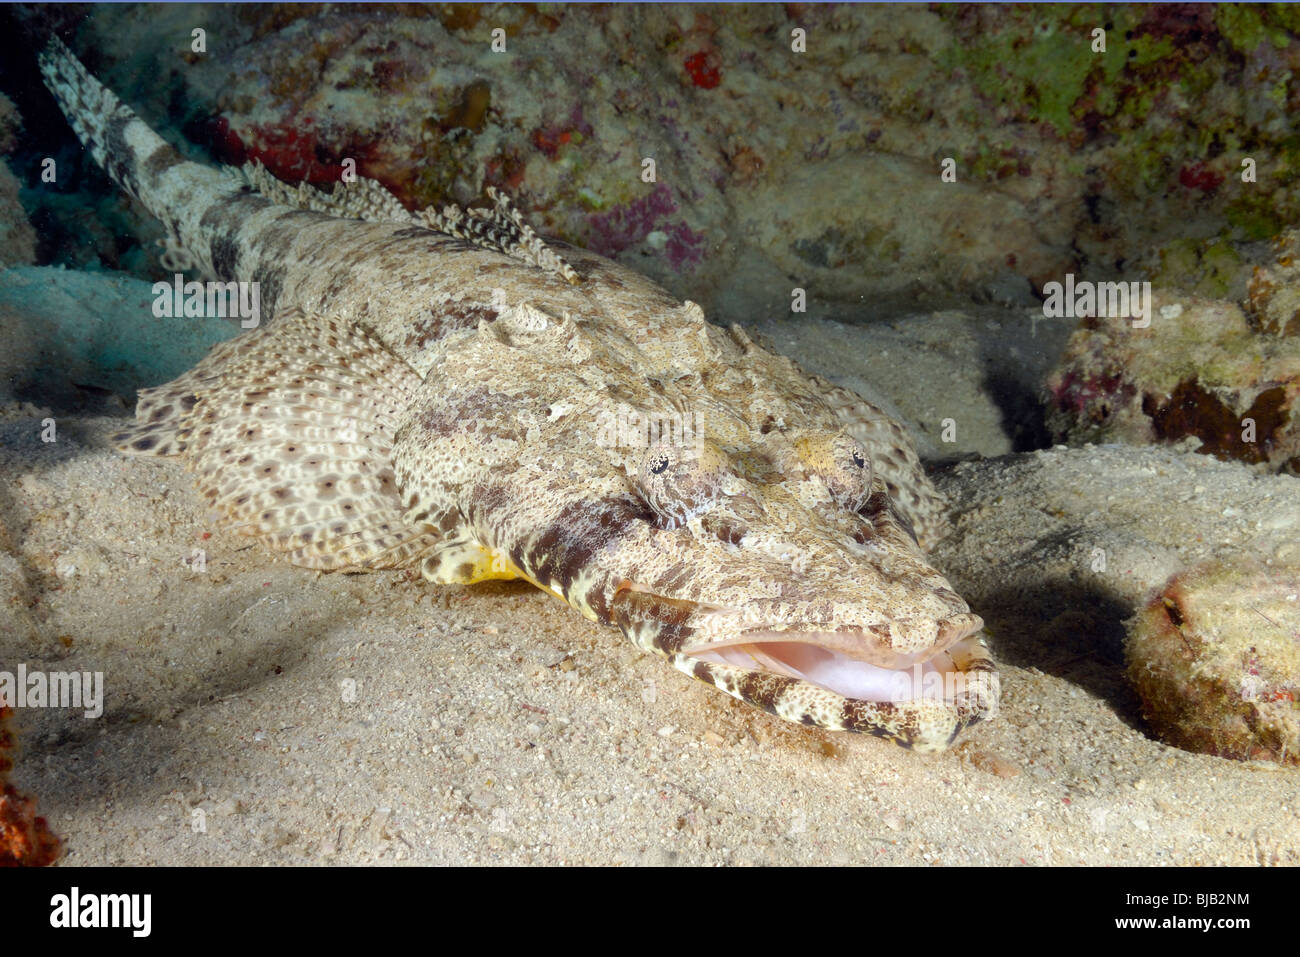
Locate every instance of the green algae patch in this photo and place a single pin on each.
(1208, 269)
(1246, 26)
(1045, 66)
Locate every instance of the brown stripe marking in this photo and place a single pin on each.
(765, 690)
(159, 162)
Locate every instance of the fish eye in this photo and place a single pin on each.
(853, 486)
(841, 463)
(678, 483)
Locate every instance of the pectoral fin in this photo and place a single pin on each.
(289, 431)
(460, 559)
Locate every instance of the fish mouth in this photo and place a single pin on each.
(897, 661)
(850, 662)
(879, 679)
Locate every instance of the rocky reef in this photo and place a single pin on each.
(1222, 376)
(17, 238)
(1201, 372)
(792, 145)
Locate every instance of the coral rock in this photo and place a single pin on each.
(1273, 297)
(17, 238)
(1215, 658)
(1202, 369)
(25, 840)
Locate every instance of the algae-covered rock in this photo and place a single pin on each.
(1273, 295)
(1077, 136)
(1209, 269)
(1201, 369)
(1215, 658)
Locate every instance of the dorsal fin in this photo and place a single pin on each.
(365, 199)
(502, 229)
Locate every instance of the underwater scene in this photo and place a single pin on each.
(636, 434)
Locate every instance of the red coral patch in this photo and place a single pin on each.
(703, 72)
(1199, 176)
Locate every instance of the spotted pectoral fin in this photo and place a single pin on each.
(459, 559)
(161, 413)
(290, 433)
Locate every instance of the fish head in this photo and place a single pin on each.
(782, 573)
(768, 561)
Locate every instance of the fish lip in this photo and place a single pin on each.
(942, 679)
(870, 644)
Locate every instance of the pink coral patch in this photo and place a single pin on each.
(291, 152)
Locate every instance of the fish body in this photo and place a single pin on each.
(444, 390)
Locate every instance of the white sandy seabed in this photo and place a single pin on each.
(260, 713)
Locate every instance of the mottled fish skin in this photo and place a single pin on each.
(444, 390)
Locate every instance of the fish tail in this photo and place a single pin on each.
(173, 189)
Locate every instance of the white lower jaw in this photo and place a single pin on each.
(933, 679)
